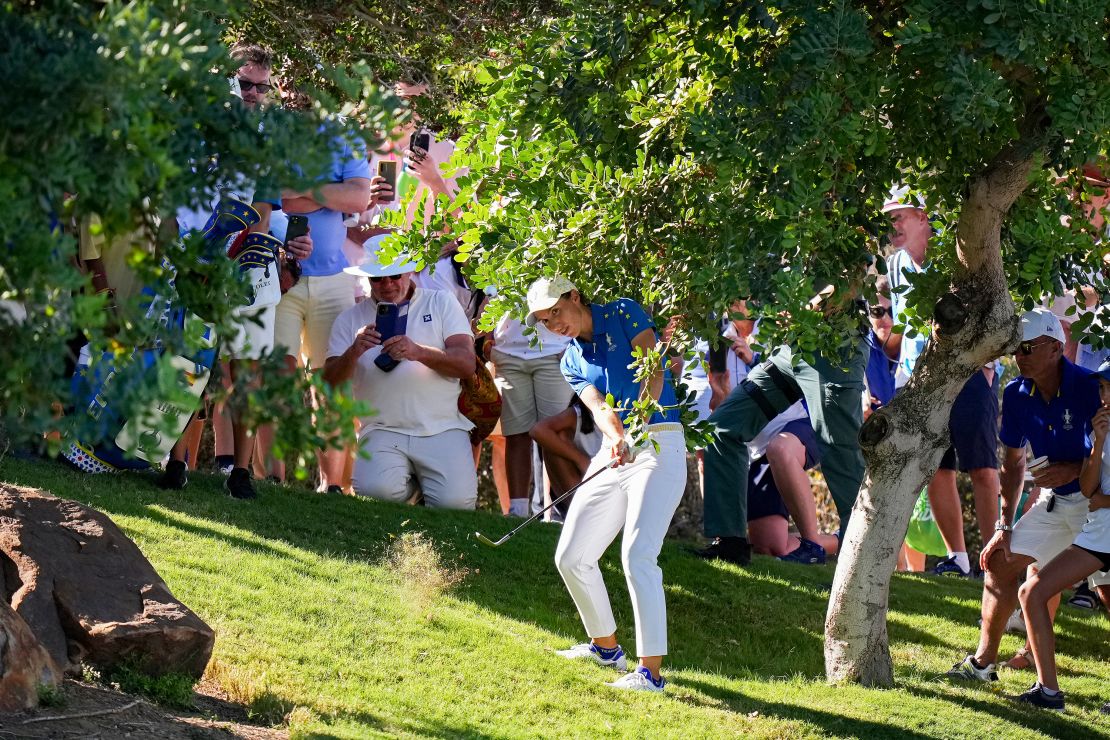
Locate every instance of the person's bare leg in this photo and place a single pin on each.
(223, 426)
(653, 663)
(770, 535)
(1104, 596)
(786, 456)
(1000, 596)
(830, 543)
(910, 560)
(188, 446)
(1065, 569)
(518, 465)
(500, 476)
(984, 482)
(944, 500)
(265, 438)
(244, 380)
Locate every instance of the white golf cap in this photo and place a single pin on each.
(1040, 322)
(545, 293)
(901, 197)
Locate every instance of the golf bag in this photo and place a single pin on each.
(100, 389)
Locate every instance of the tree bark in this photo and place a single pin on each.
(903, 443)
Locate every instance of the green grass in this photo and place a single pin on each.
(329, 618)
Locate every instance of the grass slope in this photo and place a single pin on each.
(315, 622)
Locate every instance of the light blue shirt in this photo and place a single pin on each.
(325, 225)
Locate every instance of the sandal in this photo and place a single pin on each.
(1022, 661)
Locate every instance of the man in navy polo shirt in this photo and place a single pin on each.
(1049, 406)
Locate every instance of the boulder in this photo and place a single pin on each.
(87, 592)
(24, 663)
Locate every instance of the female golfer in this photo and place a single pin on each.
(641, 491)
(1089, 554)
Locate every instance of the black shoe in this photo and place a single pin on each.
(1105, 708)
(732, 549)
(238, 484)
(174, 477)
(1038, 698)
(1084, 598)
(335, 490)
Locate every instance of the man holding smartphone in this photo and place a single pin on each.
(418, 438)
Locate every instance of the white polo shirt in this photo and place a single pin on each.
(412, 399)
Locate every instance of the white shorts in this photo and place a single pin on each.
(254, 337)
(1095, 536)
(531, 390)
(309, 309)
(1042, 534)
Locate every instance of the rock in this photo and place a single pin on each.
(24, 663)
(87, 592)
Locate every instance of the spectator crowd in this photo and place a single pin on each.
(403, 338)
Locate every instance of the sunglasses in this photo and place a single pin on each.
(877, 312)
(1026, 348)
(262, 87)
(386, 277)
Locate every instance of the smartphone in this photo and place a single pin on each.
(419, 143)
(386, 325)
(387, 169)
(298, 226)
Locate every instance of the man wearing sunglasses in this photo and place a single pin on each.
(417, 438)
(1049, 407)
(974, 421)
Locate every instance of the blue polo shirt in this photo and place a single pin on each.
(604, 362)
(880, 372)
(326, 225)
(1060, 429)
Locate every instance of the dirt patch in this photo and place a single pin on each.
(90, 711)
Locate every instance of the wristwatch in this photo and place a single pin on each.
(1003, 527)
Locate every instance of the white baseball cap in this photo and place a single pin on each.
(1040, 322)
(545, 293)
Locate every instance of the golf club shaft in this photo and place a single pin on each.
(559, 500)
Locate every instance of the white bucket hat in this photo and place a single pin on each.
(371, 266)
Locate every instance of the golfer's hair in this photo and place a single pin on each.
(259, 56)
(581, 296)
(588, 425)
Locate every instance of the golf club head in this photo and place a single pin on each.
(487, 541)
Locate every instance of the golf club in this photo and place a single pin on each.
(487, 541)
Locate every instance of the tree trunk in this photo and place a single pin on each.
(903, 442)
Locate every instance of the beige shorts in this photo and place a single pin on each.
(531, 390)
(306, 313)
(1042, 534)
(254, 337)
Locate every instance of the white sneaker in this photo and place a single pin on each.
(1016, 622)
(639, 680)
(589, 650)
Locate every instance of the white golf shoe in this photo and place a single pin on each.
(639, 680)
(598, 655)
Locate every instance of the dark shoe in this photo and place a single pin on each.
(949, 567)
(174, 477)
(1084, 598)
(238, 484)
(732, 549)
(807, 553)
(335, 490)
(1038, 698)
(1105, 708)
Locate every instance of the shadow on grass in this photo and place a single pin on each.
(764, 621)
(1053, 724)
(830, 724)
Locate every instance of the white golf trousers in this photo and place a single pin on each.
(641, 497)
